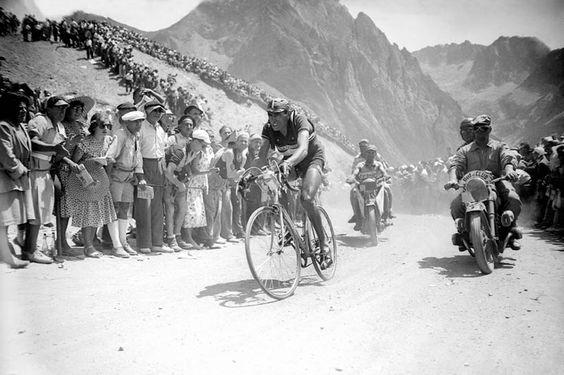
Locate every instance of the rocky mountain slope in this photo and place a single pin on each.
(492, 79)
(545, 114)
(341, 67)
(61, 70)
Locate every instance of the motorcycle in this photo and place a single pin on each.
(371, 197)
(480, 230)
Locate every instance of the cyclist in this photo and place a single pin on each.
(293, 135)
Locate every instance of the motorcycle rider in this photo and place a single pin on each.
(371, 168)
(353, 194)
(466, 131)
(487, 154)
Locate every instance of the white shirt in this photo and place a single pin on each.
(153, 140)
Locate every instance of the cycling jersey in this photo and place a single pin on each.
(287, 144)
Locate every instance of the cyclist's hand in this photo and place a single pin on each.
(452, 185)
(285, 168)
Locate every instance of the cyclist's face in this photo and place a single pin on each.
(278, 120)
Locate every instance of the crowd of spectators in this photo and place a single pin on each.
(9, 22)
(177, 180)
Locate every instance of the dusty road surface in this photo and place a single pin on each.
(413, 305)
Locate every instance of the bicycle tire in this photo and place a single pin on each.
(273, 257)
(313, 245)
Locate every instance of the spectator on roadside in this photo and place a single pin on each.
(178, 174)
(195, 113)
(91, 205)
(253, 198)
(47, 138)
(125, 169)
(198, 184)
(149, 212)
(235, 159)
(121, 110)
(16, 202)
(75, 130)
(212, 199)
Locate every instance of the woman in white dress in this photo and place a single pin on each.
(201, 155)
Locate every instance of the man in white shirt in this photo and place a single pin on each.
(149, 213)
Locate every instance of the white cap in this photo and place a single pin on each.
(133, 116)
(202, 135)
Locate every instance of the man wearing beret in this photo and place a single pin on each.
(486, 154)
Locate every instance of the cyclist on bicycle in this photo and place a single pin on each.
(293, 135)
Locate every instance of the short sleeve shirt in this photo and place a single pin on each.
(42, 127)
(287, 144)
(364, 170)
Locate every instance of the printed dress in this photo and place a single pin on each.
(197, 185)
(91, 206)
(74, 135)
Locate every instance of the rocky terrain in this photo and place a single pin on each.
(518, 80)
(350, 75)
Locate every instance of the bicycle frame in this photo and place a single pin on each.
(270, 182)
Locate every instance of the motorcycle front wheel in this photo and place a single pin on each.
(480, 243)
(371, 216)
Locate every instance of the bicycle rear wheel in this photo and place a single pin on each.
(273, 252)
(315, 251)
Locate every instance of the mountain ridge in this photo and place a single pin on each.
(351, 75)
(505, 79)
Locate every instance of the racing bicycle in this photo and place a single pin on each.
(276, 250)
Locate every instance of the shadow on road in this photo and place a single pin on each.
(461, 265)
(247, 293)
(552, 237)
(456, 266)
(357, 241)
(243, 293)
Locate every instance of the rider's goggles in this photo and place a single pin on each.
(482, 128)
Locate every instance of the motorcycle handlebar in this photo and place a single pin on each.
(457, 185)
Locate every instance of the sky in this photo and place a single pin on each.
(412, 24)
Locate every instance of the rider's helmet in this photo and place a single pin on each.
(371, 148)
(466, 123)
(482, 124)
(277, 105)
(482, 120)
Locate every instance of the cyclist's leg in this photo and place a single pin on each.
(310, 185)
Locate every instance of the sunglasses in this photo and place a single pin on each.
(105, 126)
(482, 128)
(274, 114)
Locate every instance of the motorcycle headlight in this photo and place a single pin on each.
(478, 189)
(369, 184)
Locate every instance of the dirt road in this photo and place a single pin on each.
(411, 305)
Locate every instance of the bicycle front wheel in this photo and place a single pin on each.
(325, 270)
(273, 252)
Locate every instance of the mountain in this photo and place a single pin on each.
(449, 54)
(508, 59)
(491, 79)
(317, 53)
(22, 7)
(545, 114)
